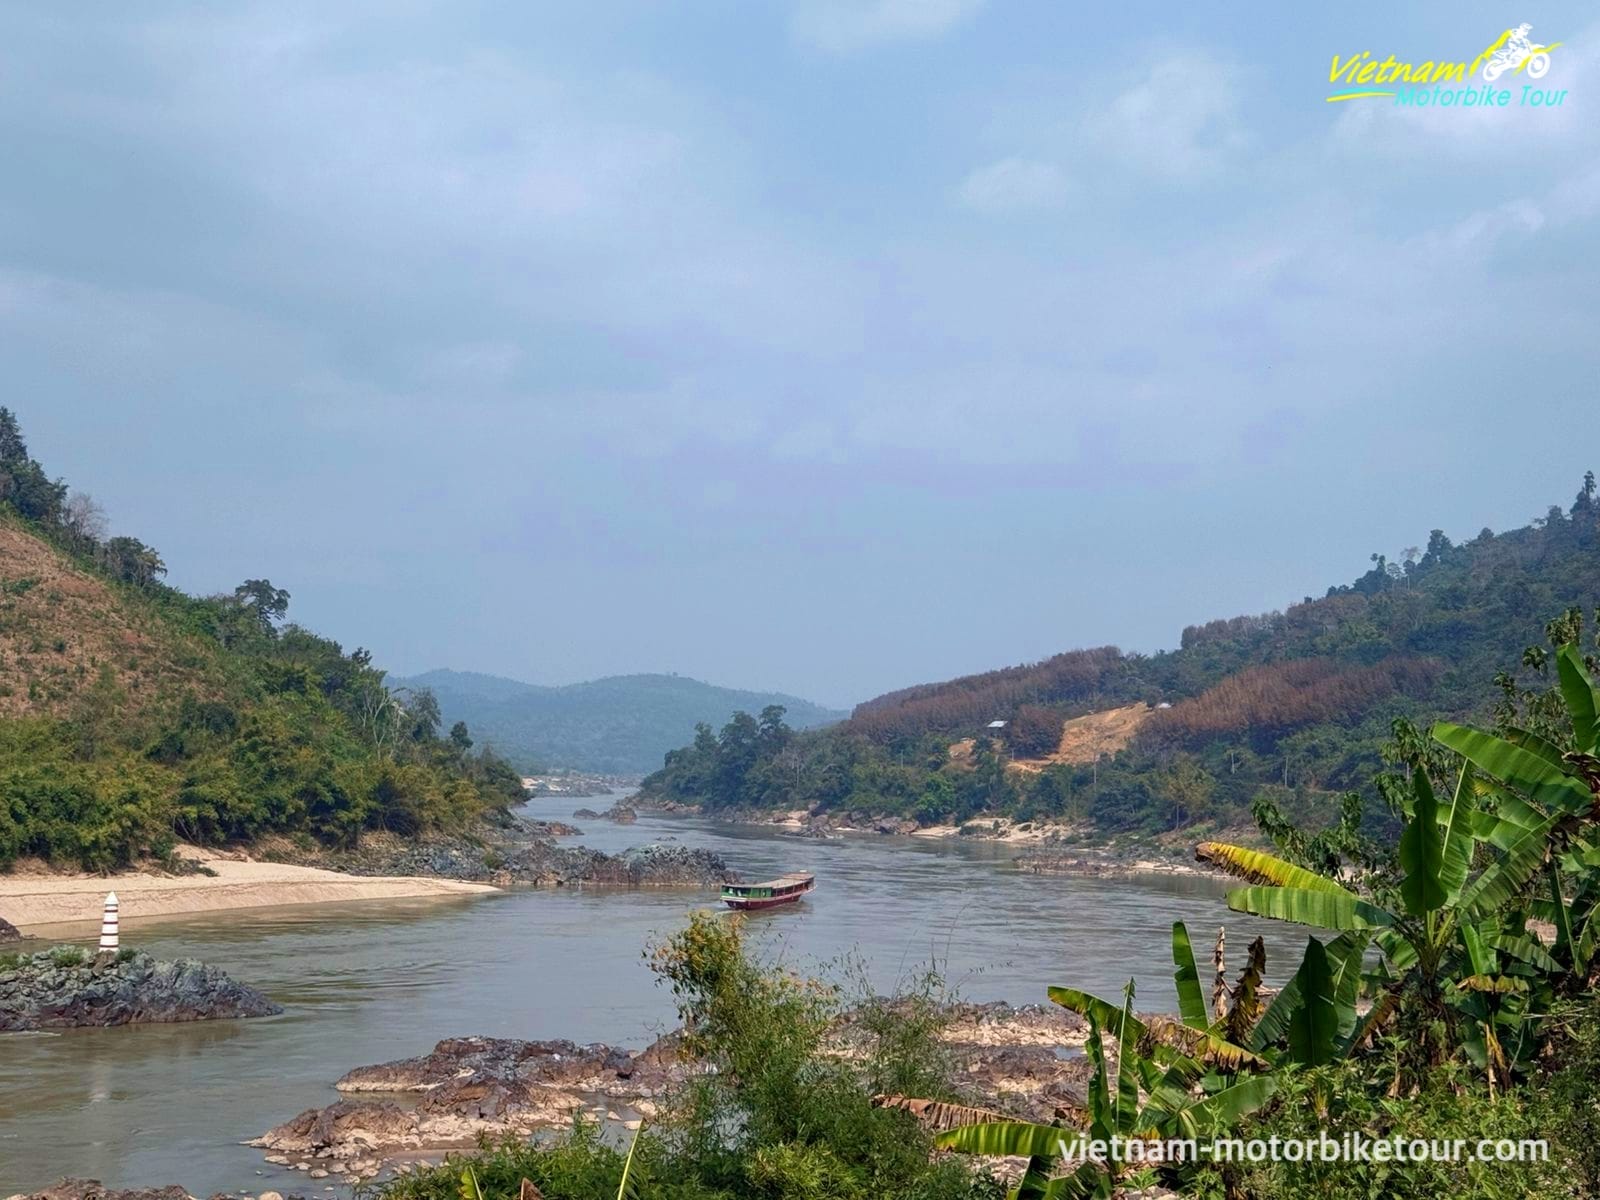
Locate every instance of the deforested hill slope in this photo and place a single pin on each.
(133, 715)
(63, 628)
(1294, 704)
(622, 724)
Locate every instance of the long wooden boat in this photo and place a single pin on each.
(785, 889)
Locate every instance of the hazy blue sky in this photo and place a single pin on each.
(820, 345)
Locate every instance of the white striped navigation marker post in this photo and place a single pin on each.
(108, 927)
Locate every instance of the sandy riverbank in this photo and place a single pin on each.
(52, 899)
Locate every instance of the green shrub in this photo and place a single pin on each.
(68, 956)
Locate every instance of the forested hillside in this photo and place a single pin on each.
(1293, 704)
(133, 715)
(623, 724)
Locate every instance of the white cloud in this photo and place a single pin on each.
(1014, 185)
(846, 26)
(1180, 121)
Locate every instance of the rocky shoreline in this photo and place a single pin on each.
(525, 856)
(67, 988)
(1015, 1059)
(1047, 848)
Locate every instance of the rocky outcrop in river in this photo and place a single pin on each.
(522, 855)
(621, 813)
(1010, 1058)
(9, 932)
(93, 1189)
(468, 1087)
(65, 987)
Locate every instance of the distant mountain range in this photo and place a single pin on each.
(624, 724)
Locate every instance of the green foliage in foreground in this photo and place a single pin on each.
(775, 1117)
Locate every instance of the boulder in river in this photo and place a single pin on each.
(9, 932)
(67, 987)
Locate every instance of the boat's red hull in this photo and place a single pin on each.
(744, 905)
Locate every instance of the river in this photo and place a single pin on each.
(365, 983)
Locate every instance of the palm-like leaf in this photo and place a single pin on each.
(1583, 701)
(1519, 861)
(1344, 956)
(1207, 1048)
(938, 1116)
(1191, 1000)
(1313, 1025)
(1456, 834)
(1422, 851)
(1007, 1139)
(1254, 866)
(1222, 1110)
(1321, 908)
(1526, 770)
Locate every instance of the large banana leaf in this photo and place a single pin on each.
(1523, 769)
(1007, 1139)
(1314, 1023)
(1512, 816)
(1561, 915)
(1480, 951)
(1221, 1111)
(1422, 851)
(1526, 949)
(1089, 1182)
(1206, 1047)
(1253, 866)
(1101, 1112)
(1086, 1005)
(1344, 956)
(939, 1116)
(1320, 908)
(1398, 952)
(1456, 833)
(1520, 859)
(1583, 701)
(1191, 1000)
(1126, 1108)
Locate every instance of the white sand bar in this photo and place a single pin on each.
(51, 899)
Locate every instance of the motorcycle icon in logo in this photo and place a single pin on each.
(1518, 52)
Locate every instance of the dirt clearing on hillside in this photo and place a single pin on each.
(1091, 736)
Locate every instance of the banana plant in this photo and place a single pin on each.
(1438, 894)
(1311, 1021)
(1143, 1100)
(1548, 813)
